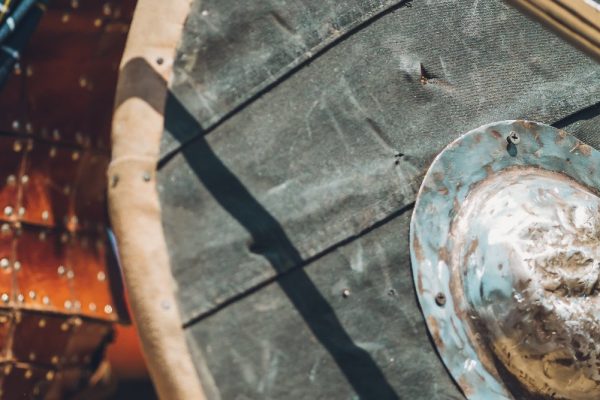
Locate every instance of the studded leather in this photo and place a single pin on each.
(58, 302)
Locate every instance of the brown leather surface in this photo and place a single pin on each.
(58, 305)
(133, 201)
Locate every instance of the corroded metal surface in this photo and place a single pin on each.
(504, 246)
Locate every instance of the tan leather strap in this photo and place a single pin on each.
(134, 206)
(576, 20)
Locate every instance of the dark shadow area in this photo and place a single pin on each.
(585, 114)
(269, 240)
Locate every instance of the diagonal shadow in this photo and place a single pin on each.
(268, 237)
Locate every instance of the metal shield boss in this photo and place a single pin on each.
(506, 260)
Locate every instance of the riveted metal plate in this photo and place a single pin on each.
(504, 248)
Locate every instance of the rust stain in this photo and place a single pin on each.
(418, 249)
(444, 255)
(496, 134)
(561, 135)
(434, 329)
(464, 385)
(582, 148)
(443, 191)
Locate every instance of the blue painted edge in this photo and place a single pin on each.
(462, 164)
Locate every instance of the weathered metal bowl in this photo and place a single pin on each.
(506, 259)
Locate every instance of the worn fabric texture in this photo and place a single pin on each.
(296, 136)
(133, 200)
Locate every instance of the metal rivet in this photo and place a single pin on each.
(32, 294)
(114, 180)
(106, 10)
(17, 265)
(45, 215)
(54, 360)
(55, 135)
(75, 156)
(4, 263)
(5, 228)
(68, 304)
(7, 369)
(42, 323)
(92, 306)
(11, 180)
(77, 305)
(65, 18)
(160, 60)
(70, 274)
(64, 238)
(28, 374)
(108, 309)
(20, 298)
(42, 236)
(50, 375)
(5, 297)
(29, 127)
(17, 146)
(24, 179)
(147, 176)
(97, 22)
(21, 211)
(52, 152)
(346, 292)
(8, 211)
(46, 300)
(440, 299)
(64, 327)
(16, 125)
(32, 356)
(513, 138)
(101, 276)
(204, 13)
(29, 70)
(74, 3)
(61, 270)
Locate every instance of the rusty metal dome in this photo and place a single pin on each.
(505, 246)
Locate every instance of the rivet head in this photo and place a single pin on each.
(46, 300)
(64, 327)
(50, 375)
(101, 276)
(75, 156)
(68, 304)
(16, 125)
(17, 265)
(5, 228)
(45, 215)
(5, 297)
(440, 299)
(346, 292)
(54, 360)
(8, 211)
(24, 179)
(147, 176)
(61, 270)
(42, 323)
(11, 180)
(513, 138)
(92, 307)
(56, 134)
(114, 180)
(108, 309)
(32, 356)
(4, 263)
(21, 211)
(70, 274)
(28, 374)
(32, 294)
(17, 146)
(20, 298)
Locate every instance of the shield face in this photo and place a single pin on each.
(506, 262)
